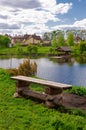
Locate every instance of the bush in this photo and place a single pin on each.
(26, 68)
(78, 90)
(13, 72)
(82, 46)
(32, 49)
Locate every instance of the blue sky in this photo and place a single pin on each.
(39, 16)
(77, 12)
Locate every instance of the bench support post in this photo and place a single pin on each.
(53, 91)
(20, 87)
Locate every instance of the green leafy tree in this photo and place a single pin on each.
(82, 46)
(32, 49)
(70, 39)
(54, 41)
(47, 36)
(4, 41)
(56, 33)
(60, 41)
(18, 47)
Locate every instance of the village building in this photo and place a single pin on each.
(26, 39)
(77, 39)
(32, 39)
(46, 42)
(65, 50)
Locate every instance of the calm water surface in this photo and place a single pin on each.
(68, 71)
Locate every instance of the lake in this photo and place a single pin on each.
(70, 70)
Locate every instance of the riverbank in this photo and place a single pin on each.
(39, 50)
(23, 114)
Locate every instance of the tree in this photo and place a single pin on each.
(32, 49)
(82, 46)
(4, 41)
(47, 35)
(58, 38)
(70, 39)
(56, 33)
(54, 41)
(60, 41)
(18, 47)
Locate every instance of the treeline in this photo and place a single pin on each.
(57, 40)
(4, 41)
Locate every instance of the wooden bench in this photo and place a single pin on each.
(52, 95)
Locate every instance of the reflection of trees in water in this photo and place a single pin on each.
(4, 57)
(81, 59)
(63, 60)
(12, 56)
(67, 60)
(70, 60)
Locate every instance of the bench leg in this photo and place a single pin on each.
(54, 101)
(53, 91)
(55, 97)
(20, 87)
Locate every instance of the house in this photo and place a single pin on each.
(26, 39)
(17, 39)
(46, 42)
(77, 39)
(32, 39)
(64, 50)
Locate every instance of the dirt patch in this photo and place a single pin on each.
(74, 101)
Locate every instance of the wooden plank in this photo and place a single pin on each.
(42, 82)
(34, 95)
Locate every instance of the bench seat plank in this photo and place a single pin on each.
(42, 82)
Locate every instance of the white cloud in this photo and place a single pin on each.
(24, 4)
(51, 6)
(48, 4)
(61, 8)
(81, 23)
(77, 24)
(23, 16)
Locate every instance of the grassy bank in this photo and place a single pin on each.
(39, 50)
(22, 114)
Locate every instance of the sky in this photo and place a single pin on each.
(40, 16)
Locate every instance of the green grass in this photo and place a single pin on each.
(44, 50)
(15, 50)
(23, 114)
(81, 91)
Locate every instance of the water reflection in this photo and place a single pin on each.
(81, 59)
(71, 70)
(74, 74)
(68, 60)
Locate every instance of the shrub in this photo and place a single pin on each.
(13, 71)
(32, 49)
(78, 90)
(26, 68)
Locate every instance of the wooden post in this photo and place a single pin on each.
(20, 87)
(53, 91)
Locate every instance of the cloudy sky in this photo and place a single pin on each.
(39, 16)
